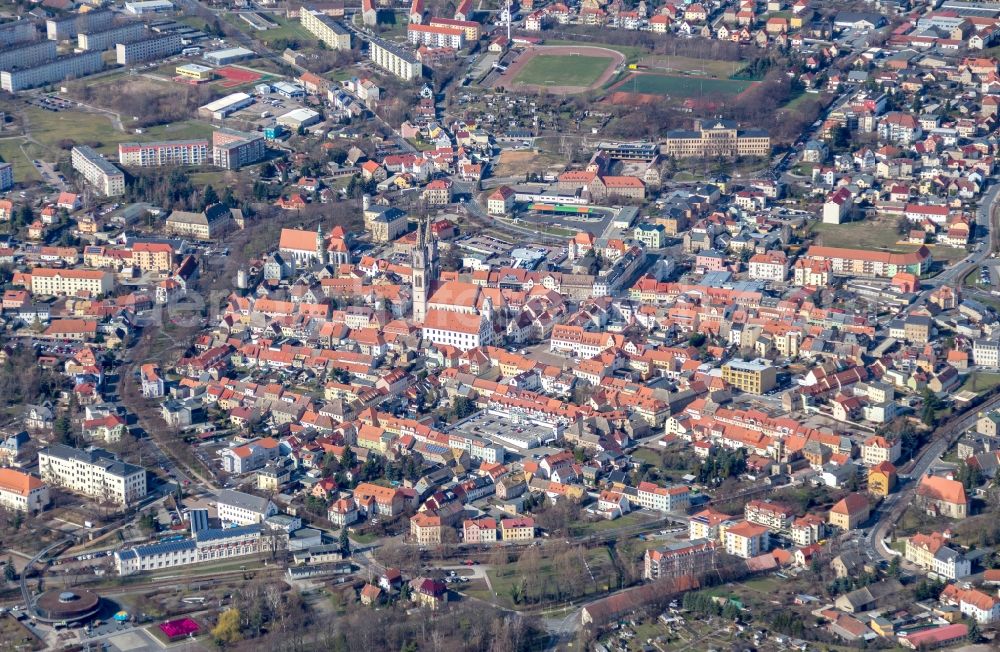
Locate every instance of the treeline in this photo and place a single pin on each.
(462, 627)
(171, 189)
(23, 381)
(657, 44)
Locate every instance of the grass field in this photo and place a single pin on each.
(10, 152)
(562, 70)
(980, 382)
(288, 29)
(48, 128)
(682, 86)
(584, 528)
(865, 235)
(691, 65)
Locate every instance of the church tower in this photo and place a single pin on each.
(320, 241)
(422, 271)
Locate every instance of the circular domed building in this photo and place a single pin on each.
(67, 605)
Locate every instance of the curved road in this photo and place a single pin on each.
(29, 604)
(890, 511)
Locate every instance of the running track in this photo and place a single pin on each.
(507, 79)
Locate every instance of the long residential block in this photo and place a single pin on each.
(866, 263)
(436, 36)
(148, 49)
(109, 38)
(31, 54)
(394, 59)
(166, 152)
(104, 176)
(62, 29)
(19, 31)
(326, 29)
(72, 65)
(49, 282)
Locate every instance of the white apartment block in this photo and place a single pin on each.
(662, 499)
(109, 180)
(17, 31)
(243, 509)
(394, 59)
(28, 55)
(746, 540)
(109, 38)
(166, 152)
(326, 29)
(69, 66)
(876, 450)
(459, 330)
(986, 353)
(436, 37)
(22, 491)
(95, 473)
(478, 449)
(769, 267)
(50, 282)
(61, 29)
(148, 49)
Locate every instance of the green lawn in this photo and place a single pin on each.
(864, 235)
(10, 152)
(593, 527)
(395, 27)
(682, 86)
(562, 70)
(980, 382)
(49, 128)
(291, 29)
(214, 178)
(363, 539)
(648, 455)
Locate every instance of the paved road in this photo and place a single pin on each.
(892, 509)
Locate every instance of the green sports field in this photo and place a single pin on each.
(562, 70)
(679, 86)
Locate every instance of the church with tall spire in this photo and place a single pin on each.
(424, 262)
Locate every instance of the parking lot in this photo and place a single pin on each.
(49, 174)
(52, 103)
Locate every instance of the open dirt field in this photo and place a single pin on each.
(575, 75)
(518, 163)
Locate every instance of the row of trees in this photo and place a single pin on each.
(23, 381)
